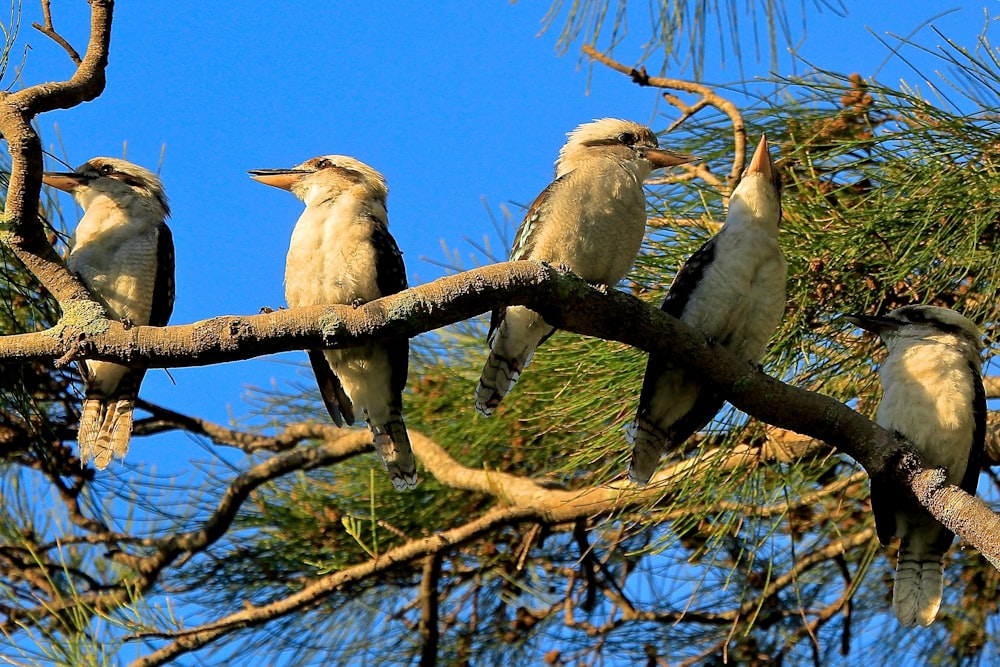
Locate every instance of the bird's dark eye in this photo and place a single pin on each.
(627, 138)
(324, 164)
(107, 169)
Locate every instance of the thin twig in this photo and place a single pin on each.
(708, 98)
(49, 31)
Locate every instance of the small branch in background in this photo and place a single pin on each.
(22, 230)
(49, 31)
(193, 638)
(164, 420)
(429, 601)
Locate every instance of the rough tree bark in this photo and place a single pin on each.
(564, 300)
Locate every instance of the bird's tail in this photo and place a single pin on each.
(649, 441)
(916, 595)
(393, 446)
(105, 429)
(498, 377)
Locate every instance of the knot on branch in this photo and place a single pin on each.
(222, 332)
(88, 317)
(639, 76)
(80, 319)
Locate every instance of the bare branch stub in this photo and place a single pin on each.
(49, 31)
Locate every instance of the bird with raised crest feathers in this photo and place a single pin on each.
(590, 220)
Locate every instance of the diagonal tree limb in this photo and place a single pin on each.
(568, 303)
(318, 589)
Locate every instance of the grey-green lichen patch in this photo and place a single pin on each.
(331, 325)
(81, 316)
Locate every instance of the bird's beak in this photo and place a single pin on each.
(278, 178)
(761, 160)
(661, 157)
(874, 323)
(65, 181)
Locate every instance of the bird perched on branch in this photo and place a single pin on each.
(342, 252)
(733, 290)
(590, 219)
(123, 252)
(932, 395)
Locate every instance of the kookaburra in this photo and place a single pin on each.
(932, 395)
(342, 253)
(590, 219)
(732, 289)
(123, 251)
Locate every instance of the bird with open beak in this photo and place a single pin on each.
(591, 220)
(123, 252)
(341, 252)
(732, 289)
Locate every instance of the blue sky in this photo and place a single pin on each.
(455, 102)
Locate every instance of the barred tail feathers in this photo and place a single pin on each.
(669, 412)
(499, 377)
(648, 443)
(105, 430)
(916, 594)
(511, 348)
(393, 447)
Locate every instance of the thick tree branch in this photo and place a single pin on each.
(570, 304)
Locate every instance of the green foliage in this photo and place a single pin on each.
(888, 200)
(761, 558)
(681, 30)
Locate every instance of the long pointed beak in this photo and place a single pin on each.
(874, 323)
(65, 181)
(761, 160)
(278, 178)
(662, 157)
